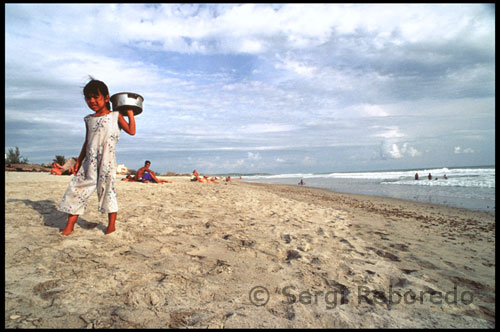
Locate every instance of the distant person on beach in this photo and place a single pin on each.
(95, 168)
(302, 183)
(416, 176)
(60, 170)
(129, 178)
(144, 174)
(56, 169)
(213, 180)
(429, 176)
(197, 178)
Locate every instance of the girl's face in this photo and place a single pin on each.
(97, 102)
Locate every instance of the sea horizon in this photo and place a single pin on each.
(352, 171)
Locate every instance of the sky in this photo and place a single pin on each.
(259, 88)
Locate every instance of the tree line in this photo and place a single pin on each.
(13, 156)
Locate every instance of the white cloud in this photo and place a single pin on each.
(390, 150)
(309, 161)
(410, 151)
(390, 132)
(364, 109)
(259, 77)
(373, 110)
(251, 46)
(253, 156)
(253, 28)
(295, 67)
(260, 128)
(458, 150)
(393, 152)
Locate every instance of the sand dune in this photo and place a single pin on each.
(243, 255)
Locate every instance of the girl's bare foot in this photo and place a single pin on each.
(70, 225)
(111, 223)
(67, 231)
(110, 229)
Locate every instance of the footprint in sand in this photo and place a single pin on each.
(287, 238)
(346, 242)
(385, 254)
(292, 254)
(408, 271)
(47, 289)
(399, 282)
(399, 246)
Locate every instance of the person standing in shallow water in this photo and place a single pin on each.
(95, 168)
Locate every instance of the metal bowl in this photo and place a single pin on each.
(124, 101)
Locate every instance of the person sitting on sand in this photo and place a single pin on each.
(302, 183)
(228, 179)
(144, 174)
(60, 170)
(56, 169)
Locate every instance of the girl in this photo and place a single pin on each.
(95, 168)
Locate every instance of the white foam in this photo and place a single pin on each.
(459, 177)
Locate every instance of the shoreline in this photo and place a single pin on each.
(483, 206)
(189, 254)
(377, 198)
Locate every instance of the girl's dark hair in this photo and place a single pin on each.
(96, 87)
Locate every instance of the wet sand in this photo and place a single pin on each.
(242, 255)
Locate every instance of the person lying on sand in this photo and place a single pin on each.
(56, 169)
(212, 180)
(144, 174)
(196, 177)
(129, 178)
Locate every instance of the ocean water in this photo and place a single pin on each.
(471, 188)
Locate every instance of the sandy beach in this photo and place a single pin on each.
(241, 255)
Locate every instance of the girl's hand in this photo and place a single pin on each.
(129, 126)
(75, 167)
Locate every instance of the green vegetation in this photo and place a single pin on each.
(14, 157)
(60, 160)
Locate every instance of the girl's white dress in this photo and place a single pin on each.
(98, 170)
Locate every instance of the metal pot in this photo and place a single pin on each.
(123, 101)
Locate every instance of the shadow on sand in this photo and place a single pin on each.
(54, 218)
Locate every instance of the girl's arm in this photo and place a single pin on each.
(130, 126)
